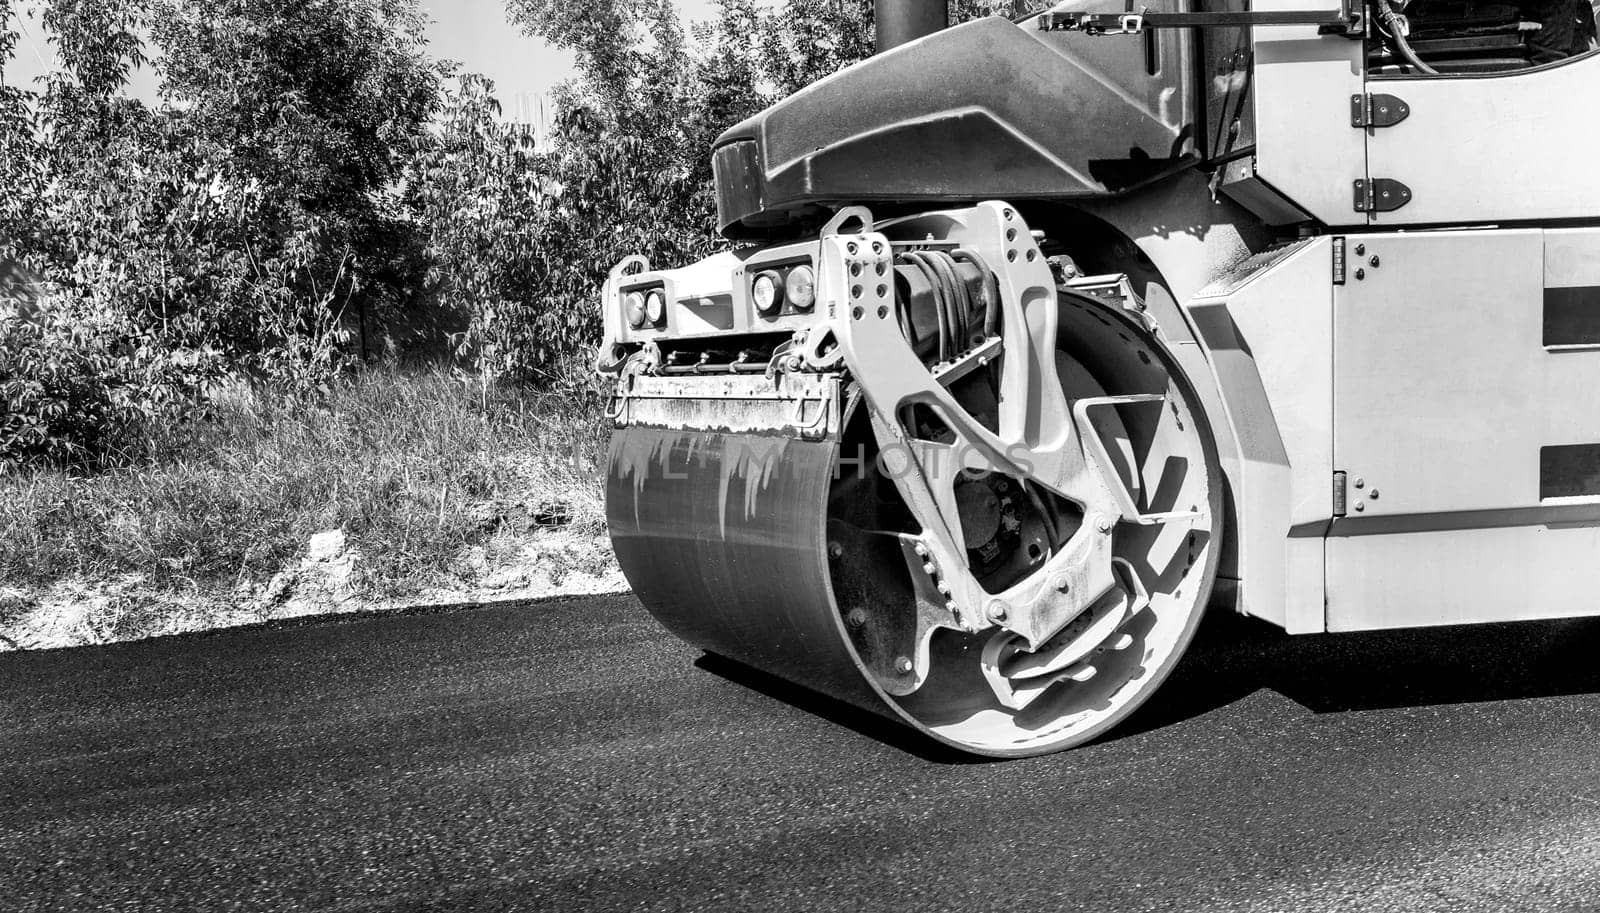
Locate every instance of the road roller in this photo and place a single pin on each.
(1036, 338)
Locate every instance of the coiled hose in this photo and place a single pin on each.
(959, 323)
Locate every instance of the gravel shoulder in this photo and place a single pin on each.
(326, 581)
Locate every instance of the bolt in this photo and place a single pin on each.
(1062, 583)
(857, 617)
(1373, 494)
(997, 610)
(1360, 482)
(943, 588)
(1103, 525)
(902, 665)
(1360, 506)
(835, 550)
(1360, 249)
(1373, 260)
(929, 568)
(1361, 274)
(921, 550)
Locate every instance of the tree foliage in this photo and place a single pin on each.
(312, 188)
(240, 226)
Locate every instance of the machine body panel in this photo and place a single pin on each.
(1455, 415)
(1305, 146)
(1268, 330)
(1496, 147)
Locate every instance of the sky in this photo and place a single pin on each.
(476, 33)
(473, 32)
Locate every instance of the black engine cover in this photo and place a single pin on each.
(986, 110)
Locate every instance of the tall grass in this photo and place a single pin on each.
(413, 466)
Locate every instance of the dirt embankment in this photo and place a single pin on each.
(328, 579)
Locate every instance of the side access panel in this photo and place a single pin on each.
(1492, 147)
(1469, 436)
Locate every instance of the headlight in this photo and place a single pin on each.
(655, 307)
(633, 308)
(800, 287)
(767, 292)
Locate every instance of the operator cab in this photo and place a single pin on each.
(1483, 36)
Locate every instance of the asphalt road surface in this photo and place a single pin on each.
(571, 756)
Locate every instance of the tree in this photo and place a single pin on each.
(626, 172)
(313, 107)
(234, 228)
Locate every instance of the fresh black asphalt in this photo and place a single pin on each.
(571, 756)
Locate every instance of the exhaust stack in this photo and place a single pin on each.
(902, 21)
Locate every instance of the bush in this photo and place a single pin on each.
(415, 467)
(70, 390)
(57, 396)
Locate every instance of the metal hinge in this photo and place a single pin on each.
(1340, 493)
(1381, 195)
(1377, 110)
(1338, 260)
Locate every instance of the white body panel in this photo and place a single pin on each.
(1504, 147)
(1444, 391)
(1534, 571)
(1280, 410)
(1432, 381)
(1571, 257)
(1305, 146)
(1444, 395)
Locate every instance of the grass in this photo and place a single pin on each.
(415, 467)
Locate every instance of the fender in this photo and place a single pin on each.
(1251, 325)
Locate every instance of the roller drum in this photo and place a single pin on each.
(723, 537)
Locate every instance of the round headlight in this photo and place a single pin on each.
(655, 307)
(800, 287)
(633, 309)
(766, 291)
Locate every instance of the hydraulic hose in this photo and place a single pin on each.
(1397, 30)
(991, 291)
